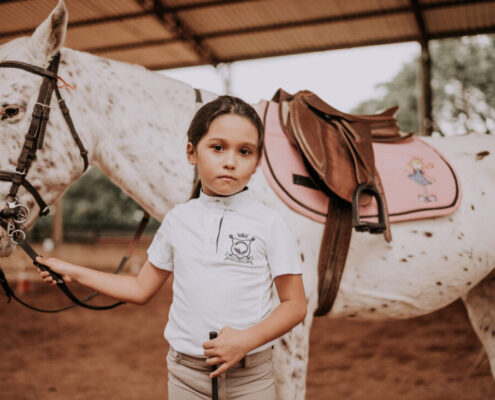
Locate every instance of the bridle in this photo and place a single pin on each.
(15, 214)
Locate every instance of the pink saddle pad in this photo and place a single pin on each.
(418, 180)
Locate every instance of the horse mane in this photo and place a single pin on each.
(10, 47)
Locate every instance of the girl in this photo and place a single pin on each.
(226, 250)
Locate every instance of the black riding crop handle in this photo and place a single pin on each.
(214, 381)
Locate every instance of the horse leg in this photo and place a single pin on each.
(480, 305)
(291, 362)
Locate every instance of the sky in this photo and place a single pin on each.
(343, 78)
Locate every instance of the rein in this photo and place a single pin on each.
(14, 214)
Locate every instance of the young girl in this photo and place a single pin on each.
(226, 250)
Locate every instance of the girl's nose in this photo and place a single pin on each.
(229, 159)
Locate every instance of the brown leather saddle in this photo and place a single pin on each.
(337, 151)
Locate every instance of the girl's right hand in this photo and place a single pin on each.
(62, 267)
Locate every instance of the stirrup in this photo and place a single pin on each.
(366, 226)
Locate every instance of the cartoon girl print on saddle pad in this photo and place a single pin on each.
(418, 181)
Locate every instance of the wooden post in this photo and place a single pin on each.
(425, 101)
(57, 224)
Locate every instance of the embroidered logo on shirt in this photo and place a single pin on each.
(240, 250)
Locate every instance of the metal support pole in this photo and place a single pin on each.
(425, 101)
(225, 71)
(57, 223)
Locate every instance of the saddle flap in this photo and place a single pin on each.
(340, 152)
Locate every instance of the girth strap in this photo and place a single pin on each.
(333, 252)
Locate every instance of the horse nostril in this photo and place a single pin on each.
(11, 111)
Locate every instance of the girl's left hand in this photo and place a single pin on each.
(229, 347)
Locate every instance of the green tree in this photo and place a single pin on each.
(463, 88)
(94, 205)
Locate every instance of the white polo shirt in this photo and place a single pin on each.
(224, 252)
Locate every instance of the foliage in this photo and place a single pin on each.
(94, 204)
(463, 88)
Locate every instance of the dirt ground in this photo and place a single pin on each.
(120, 354)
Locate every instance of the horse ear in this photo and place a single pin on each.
(50, 35)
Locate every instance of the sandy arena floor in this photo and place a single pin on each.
(120, 354)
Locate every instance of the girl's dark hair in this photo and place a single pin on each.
(208, 112)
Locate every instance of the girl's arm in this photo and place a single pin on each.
(130, 289)
(232, 345)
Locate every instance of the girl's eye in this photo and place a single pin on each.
(217, 147)
(245, 152)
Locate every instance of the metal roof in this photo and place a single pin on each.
(161, 34)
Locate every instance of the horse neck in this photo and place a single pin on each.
(134, 122)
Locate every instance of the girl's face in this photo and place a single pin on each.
(226, 156)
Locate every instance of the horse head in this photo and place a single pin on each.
(55, 163)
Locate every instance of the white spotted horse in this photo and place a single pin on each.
(132, 123)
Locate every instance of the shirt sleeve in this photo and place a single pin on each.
(282, 252)
(161, 251)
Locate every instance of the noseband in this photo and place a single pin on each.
(15, 214)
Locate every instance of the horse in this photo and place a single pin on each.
(132, 122)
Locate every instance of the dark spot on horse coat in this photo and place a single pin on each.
(414, 231)
(468, 283)
(403, 260)
(352, 315)
(472, 207)
(439, 283)
(482, 154)
(428, 234)
(464, 268)
(302, 257)
(384, 305)
(284, 343)
(445, 257)
(372, 309)
(410, 255)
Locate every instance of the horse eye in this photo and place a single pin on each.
(11, 112)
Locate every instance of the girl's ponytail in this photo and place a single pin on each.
(196, 189)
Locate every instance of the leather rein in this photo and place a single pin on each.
(14, 214)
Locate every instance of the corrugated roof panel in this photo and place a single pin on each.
(308, 38)
(21, 15)
(24, 15)
(258, 13)
(457, 18)
(91, 9)
(173, 54)
(176, 3)
(129, 31)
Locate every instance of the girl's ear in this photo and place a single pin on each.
(191, 153)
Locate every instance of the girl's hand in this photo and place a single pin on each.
(229, 347)
(56, 265)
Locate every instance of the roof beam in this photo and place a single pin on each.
(418, 16)
(172, 22)
(260, 28)
(126, 16)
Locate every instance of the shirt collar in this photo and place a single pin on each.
(226, 202)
